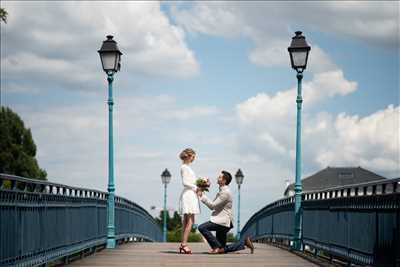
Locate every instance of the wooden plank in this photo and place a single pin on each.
(166, 254)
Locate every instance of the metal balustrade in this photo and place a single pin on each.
(42, 221)
(358, 224)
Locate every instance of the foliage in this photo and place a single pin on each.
(195, 237)
(17, 148)
(174, 228)
(231, 238)
(175, 222)
(3, 15)
(176, 236)
(172, 223)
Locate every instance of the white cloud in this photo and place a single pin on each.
(213, 19)
(23, 63)
(272, 143)
(330, 84)
(270, 25)
(266, 108)
(188, 113)
(63, 39)
(273, 54)
(372, 142)
(268, 22)
(70, 133)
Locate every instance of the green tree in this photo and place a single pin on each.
(174, 228)
(160, 219)
(17, 148)
(231, 238)
(3, 15)
(173, 223)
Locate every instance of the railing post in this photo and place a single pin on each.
(66, 260)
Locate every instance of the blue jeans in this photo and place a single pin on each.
(220, 231)
(235, 246)
(220, 240)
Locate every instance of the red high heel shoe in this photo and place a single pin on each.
(184, 249)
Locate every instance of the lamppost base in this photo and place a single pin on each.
(296, 245)
(110, 243)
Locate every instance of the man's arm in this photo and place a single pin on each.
(222, 199)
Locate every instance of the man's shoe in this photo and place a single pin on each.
(214, 251)
(249, 244)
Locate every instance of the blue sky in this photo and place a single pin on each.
(214, 76)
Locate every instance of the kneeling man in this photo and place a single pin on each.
(221, 219)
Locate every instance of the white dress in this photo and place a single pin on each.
(188, 201)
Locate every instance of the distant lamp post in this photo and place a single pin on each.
(239, 180)
(165, 178)
(298, 51)
(111, 61)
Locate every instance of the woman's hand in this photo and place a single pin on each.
(199, 192)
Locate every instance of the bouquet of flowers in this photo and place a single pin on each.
(203, 184)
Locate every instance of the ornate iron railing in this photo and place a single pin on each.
(357, 224)
(42, 221)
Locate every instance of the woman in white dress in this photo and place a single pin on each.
(188, 203)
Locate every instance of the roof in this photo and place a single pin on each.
(336, 176)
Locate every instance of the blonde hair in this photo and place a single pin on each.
(186, 154)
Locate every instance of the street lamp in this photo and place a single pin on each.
(298, 51)
(239, 180)
(111, 61)
(165, 178)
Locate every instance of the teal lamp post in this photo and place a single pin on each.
(111, 61)
(298, 51)
(165, 178)
(239, 180)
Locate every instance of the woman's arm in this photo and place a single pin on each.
(186, 179)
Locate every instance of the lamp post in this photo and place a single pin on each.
(111, 61)
(239, 180)
(298, 51)
(165, 178)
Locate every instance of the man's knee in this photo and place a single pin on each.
(202, 227)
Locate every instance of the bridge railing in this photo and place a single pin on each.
(42, 221)
(357, 224)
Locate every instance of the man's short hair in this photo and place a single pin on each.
(227, 177)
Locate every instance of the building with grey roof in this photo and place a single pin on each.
(333, 177)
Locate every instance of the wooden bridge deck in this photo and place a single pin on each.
(166, 254)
